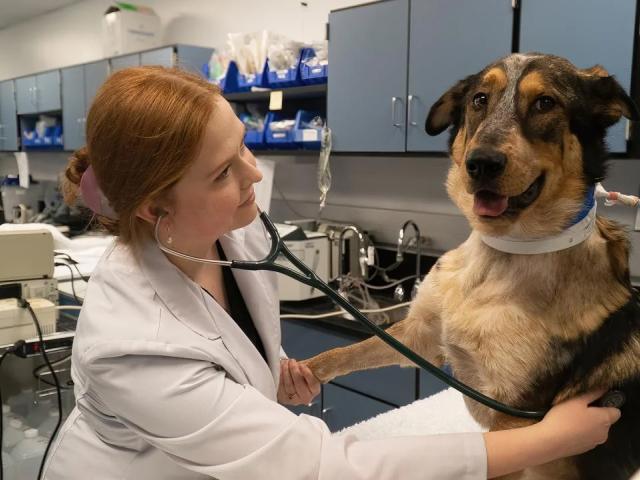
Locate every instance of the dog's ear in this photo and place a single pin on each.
(608, 100)
(449, 108)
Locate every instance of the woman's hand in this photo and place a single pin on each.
(298, 385)
(576, 426)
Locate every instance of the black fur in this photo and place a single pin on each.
(619, 457)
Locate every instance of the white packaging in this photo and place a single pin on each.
(9, 465)
(8, 415)
(125, 31)
(39, 412)
(28, 454)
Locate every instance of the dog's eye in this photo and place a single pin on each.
(480, 100)
(544, 104)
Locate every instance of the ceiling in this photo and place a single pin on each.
(16, 11)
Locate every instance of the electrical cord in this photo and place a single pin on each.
(342, 312)
(25, 304)
(73, 287)
(36, 372)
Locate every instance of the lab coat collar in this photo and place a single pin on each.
(190, 304)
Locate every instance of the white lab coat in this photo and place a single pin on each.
(168, 386)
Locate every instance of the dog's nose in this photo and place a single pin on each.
(483, 164)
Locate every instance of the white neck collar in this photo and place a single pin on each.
(568, 238)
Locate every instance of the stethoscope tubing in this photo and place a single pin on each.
(308, 277)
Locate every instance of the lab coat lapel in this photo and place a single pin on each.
(252, 285)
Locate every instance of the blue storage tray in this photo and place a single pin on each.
(307, 138)
(52, 139)
(245, 82)
(285, 78)
(254, 139)
(312, 75)
(279, 139)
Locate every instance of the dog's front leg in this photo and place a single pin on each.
(420, 331)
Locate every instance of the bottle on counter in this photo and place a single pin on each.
(28, 454)
(13, 433)
(39, 412)
(8, 415)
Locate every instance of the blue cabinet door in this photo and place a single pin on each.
(448, 41)
(94, 76)
(118, 63)
(73, 107)
(366, 96)
(8, 119)
(162, 57)
(342, 408)
(587, 32)
(26, 95)
(48, 91)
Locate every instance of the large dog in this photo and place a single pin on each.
(534, 327)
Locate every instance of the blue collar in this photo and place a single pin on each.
(587, 205)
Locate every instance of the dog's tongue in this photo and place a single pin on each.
(489, 204)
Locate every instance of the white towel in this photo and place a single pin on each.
(444, 412)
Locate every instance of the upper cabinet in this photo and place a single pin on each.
(587, 32)
(391, 60)
(367, 85)
(186, 57)
(448, 43)
(38, 93)
(79, 86)
(8, 120)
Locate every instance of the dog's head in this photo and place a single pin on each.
(527, 141)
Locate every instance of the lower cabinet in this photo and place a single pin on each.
(358, 396)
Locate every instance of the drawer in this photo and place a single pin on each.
(342, 408)
(395, 385)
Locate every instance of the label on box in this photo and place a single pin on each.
(310, 135)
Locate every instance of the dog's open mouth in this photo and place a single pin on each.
(490, 204)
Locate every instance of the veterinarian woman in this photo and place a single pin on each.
(177, 365)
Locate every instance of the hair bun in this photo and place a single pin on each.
(78, 164)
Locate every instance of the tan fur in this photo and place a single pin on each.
(494, 316)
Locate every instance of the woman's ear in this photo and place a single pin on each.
(149, 212)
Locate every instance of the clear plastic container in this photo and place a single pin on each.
(47, 427)
(28, 454)
(9, 466)
(8, 415)
(40, 411)
(12, 434)
(22, 402)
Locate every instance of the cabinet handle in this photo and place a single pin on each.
(409, 118)
(394, 101)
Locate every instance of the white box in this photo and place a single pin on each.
(126, 31)
(16, 322)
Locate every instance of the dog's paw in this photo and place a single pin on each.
(318, 366)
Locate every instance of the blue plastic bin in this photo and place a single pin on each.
(312, 75)
(285, 78)
(305, 136)
(245, 82)
(253, 138)
(281, 139)
(52, 139)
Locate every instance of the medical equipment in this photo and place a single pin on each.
(313, 250)
(399, 293)
(16, 322)
(308, 277)
(25, 254)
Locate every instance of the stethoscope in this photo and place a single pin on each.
(308, 277)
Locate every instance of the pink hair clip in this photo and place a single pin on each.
(93, 196)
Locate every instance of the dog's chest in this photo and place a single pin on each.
(495, 338)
